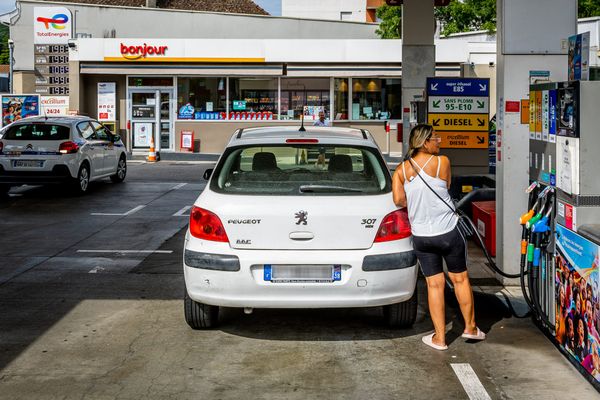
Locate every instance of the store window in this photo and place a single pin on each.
(253, 98)
(376, 99)
(201, 98)
(306, 96)
(340, 98)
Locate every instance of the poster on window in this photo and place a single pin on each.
(18, 107)
(312, 112)
(107, 103)
(142, 134)
(577, 298)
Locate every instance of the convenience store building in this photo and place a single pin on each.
(211, 73)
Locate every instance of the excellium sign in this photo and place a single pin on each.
(51, 25)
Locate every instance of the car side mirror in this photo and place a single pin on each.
(207, 174)
(116, 138)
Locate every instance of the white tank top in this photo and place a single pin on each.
(427, 214)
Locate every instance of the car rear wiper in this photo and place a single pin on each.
(326, 188)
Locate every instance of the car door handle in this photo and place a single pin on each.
(301, 235)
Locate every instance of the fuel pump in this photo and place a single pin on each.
(562, 228)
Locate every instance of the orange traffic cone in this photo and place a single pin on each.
(152, 152)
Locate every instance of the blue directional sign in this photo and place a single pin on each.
(458, 87)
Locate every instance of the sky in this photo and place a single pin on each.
(6, 6)
(273, 7)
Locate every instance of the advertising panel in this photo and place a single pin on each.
(107, 101)
(577, 302)
(579, 57)
(54, 105)
(142, 134)
(16, 107)
(51, 25)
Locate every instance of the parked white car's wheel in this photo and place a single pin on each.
(402, 315)
(198, 315)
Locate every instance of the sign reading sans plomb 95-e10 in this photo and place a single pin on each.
(458, 109)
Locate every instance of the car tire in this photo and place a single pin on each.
(402, 315)
(121, 171)
(82, 182)
(198, 315)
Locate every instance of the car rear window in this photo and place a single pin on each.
(37, 132)
(301, 170)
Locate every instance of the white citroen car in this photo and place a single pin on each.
(70, 149)
(299, 219)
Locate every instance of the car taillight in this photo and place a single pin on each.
(1, 147)
(206, 225)
(395, 226)
(68, 148)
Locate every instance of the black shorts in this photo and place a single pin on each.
(430, 251)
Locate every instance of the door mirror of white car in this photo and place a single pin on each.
(116, 138)
(207, 174)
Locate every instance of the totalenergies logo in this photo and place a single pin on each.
(140, 52)
(58, 21)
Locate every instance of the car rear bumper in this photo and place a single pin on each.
(58, 174)
(236, 279)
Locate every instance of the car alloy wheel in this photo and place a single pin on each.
(84, 178)
(121, 169)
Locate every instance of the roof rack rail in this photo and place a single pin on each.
(239, 135)
(364, 133)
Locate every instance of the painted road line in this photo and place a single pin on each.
(178, 186)
(127, 251)
(181, 212)
(470, 382)
(132, 211)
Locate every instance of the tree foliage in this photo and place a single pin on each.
(588, 8)
(463, 16)
(391, 22)
(4, 35)
(467, 15)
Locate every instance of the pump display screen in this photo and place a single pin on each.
(567, 112)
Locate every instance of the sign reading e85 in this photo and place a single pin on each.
(458, 87)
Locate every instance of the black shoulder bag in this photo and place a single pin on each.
(465, 226)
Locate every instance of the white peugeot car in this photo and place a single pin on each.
(69, 149)
(299, 219)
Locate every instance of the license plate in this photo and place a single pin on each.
(28, 163)
(302, 273)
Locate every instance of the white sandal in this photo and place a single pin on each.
(428, 340)
(478, 336)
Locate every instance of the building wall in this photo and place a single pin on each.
(325, 9)
(125, 22)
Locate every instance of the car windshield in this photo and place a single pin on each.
(37, 132)
(301, 170)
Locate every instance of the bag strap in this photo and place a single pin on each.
(454, 211)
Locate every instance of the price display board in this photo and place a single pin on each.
(51, 62)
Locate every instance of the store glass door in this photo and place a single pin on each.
(151, 117)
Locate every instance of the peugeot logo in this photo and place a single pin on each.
(29, 147)
(302, 217)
